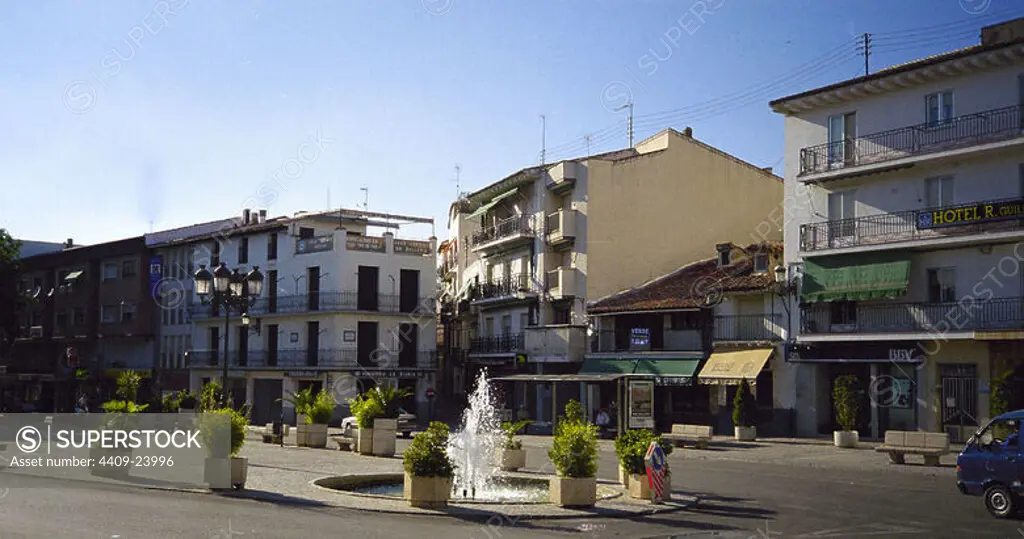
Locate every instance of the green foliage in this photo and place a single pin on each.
(321, 410)
(128, 383)
(214, 437)
(365, 410)
(845, 398)
(631, 448)
(389, 398)
(509, 430)
(81, 375)
(999, 399)
(301, 400)
(12, 300)
(744, 411)
(574, 449)
(187, 400)
(573, 411)
(210, 397)
(427, 455)
(170, 402)
(123, 407)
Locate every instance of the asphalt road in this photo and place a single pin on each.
(740, 500)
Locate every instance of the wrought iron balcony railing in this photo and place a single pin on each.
(958, 132)
(518, 225)
(510, 285)
(901, 226)
(891, 317)
(501, 344)
(306, 359)
(327, 302)
(671, 340)
(748, 327)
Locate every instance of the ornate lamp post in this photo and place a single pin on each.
(226, 289)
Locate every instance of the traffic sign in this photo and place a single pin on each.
(655, 460)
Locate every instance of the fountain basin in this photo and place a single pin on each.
(511, 489)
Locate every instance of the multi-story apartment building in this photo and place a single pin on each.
(525, 253)
(341, 309)
(90, 310)
(904, 192)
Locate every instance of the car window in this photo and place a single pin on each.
(998, 432)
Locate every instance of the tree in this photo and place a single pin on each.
(744, 411)
(12, 300)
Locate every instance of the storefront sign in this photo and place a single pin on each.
(411, 247)
(974, 213)
(156, 274)
(303, 374)
(641, 404)
(864, 352)
(319, 244)
(639, 337)
(393, 373)
(366, 243)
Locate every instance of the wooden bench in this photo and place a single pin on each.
(698, 435)
(344, 443)
(931, 445)
(268, 434)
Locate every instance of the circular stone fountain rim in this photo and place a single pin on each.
(604, 492)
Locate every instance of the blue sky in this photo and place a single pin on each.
(118, 114)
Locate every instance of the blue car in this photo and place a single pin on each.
(992, 465)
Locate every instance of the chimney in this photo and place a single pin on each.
(69, 244)
(246, 213)
(688, 132)
(263, 216)
(768, 170)
(1004, 32)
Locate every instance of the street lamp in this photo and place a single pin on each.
(226, 289)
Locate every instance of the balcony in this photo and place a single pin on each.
(510, 343)
(946, 223)
(300, 359)
(563, 178)
(331, 302)
(673, 340)
(890, 317)
(922, 139)
(508, 289)
(561, 283)
(748, 328)
(561, 228)
(505, 234)
(556, 343)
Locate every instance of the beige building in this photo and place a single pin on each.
(673, 199)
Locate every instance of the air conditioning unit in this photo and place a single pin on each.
(35, 332)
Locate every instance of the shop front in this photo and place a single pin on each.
(722, 374)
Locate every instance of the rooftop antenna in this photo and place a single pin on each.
(458, 181)
(366, 198)
(629, 125)
(543, 139)
(587, 139)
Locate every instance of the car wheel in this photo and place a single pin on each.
(999, 501)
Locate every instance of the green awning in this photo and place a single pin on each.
(849, 279)
(641, 367)
(494, 201)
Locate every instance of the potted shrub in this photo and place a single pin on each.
(318, 415)
(115, 461)
(845, 400)
(170, 403)
(385, 425)
(212, 431)
(624, 451)
(574, 455)
(744, 413)
(428, 468)
(366, 411)
(301, 400)
(511, 455)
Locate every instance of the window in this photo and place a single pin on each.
(524, 321)
(489, 326)
(843, 313)
(128, 269)
(841, 212)
(506, 324)
(939, 107)
(109, 271)
(62, 320)
(941, 285)
(723, 257)
(938, 192)
(305, 232)
(272, 246)
(760, 263)
(127, 312)
(842, 135)
(243, 251)
(79, 319)
(562, 315)
(109, 314)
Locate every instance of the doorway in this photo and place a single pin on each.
(266, 406)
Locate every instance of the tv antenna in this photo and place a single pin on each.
(366, 198)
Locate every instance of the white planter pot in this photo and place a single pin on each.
(511, 460)
(623, 477)
(384, 433)
(843, 438)
(745, 434)
(427, 491)
(364, 441)
(239, 471)
(573, 491)
(302, 435)
(639, 487)
(300, 419)
(316, 435)
(217, 473)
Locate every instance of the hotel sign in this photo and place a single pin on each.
(973, 213)
(314, 245)
(411, 247)
(365, 243)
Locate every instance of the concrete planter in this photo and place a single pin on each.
(623, 477)
(186, 410)
(216, 471)
(316, 435)
(364, 441)
(302, 434)
(510, 460)
(847, 439)
(745, 434)
(384, 432)
(427, 491)
(239, 471)
(573, 491)
(639, 487)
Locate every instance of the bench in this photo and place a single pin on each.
(344, 443)
(931, 445)
(698, 435)
(268, 434)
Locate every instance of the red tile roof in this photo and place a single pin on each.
(689, 286)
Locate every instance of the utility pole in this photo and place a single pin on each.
(587, 138)
(864, 47)
(629, 124)
(543, 139)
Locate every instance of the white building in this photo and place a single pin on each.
(341, 309)
(904, 193)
